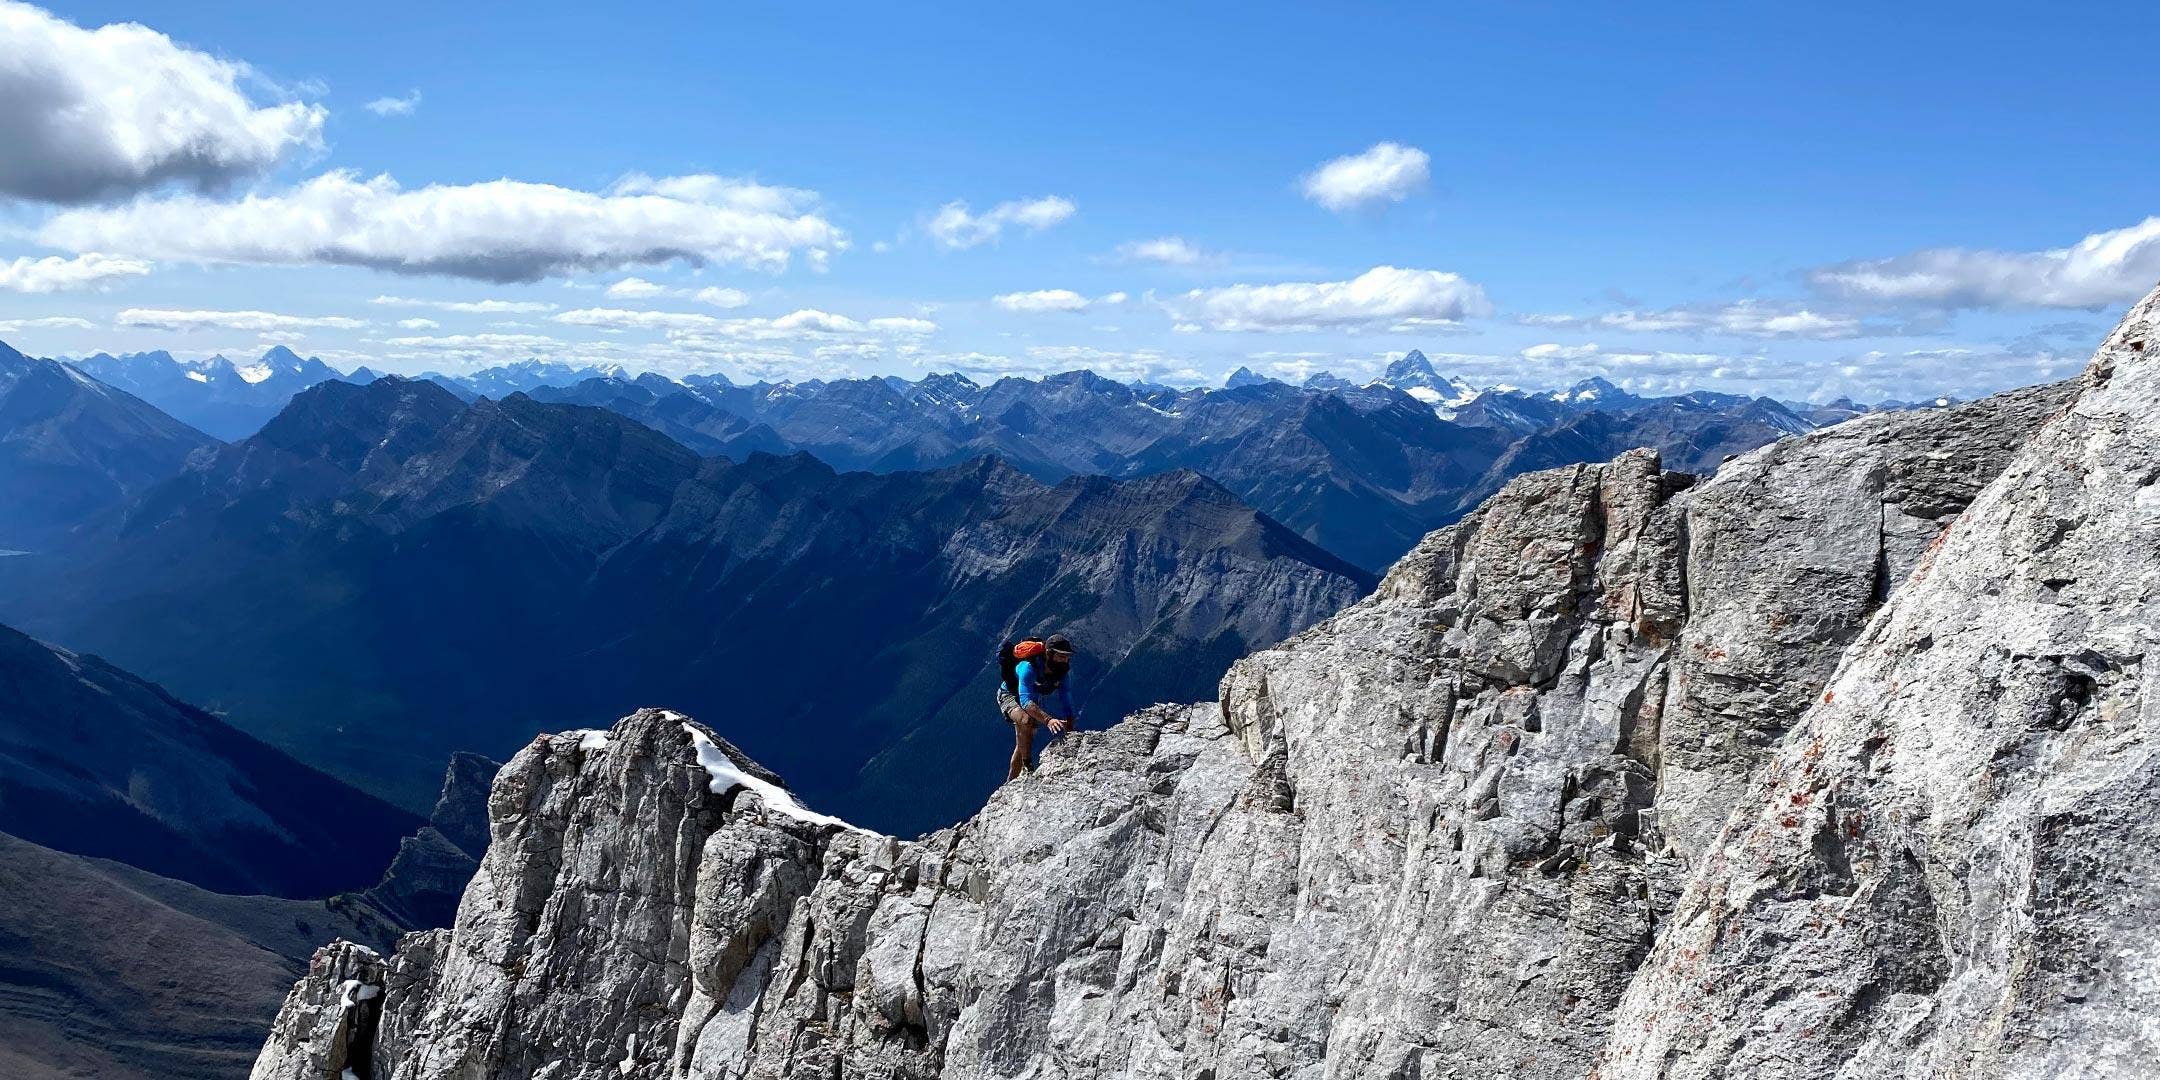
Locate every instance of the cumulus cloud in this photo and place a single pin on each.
(1388, 172)
(1744, 318)
(499, 230)
(2104, 268)
(955, 227)
(690, 327)
(1045, 300)
(1381, 296)
(1551, 351)
(622, 319)
(91, 114)
(394, 106)
(636, 288)
(477, 342)
(1167, 251)
(418, 324)
(169, 319)
(470, 307)
(1042, 300)
(721, 297)
(810, 324)
(56, 274)
(47, 322)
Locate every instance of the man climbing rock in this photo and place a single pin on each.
(1032, 693)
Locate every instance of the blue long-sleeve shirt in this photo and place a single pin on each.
(1030, 694)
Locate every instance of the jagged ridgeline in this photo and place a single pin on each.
(1842, 764)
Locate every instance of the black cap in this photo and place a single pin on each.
(1058, 643)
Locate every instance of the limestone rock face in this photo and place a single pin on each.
(1946, 869)
(1790, 550)
(1581, 790)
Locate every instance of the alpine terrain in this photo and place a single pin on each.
(1835, 765)
(386, 574)
(164, 877)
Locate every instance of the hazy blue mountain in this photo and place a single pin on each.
(385, 574)
(503, 380)
(72, 447)
(1344, 464)
(224, 398)
(98, 762)
(666, 407)
(118, 805)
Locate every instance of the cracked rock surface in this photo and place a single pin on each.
(1826, 767)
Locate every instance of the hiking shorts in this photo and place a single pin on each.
(1008, 705)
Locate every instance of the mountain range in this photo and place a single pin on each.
(386, 574)
(72, 447)
(1837, 765)
(1361, 469)
(228, 400)
(163, 875)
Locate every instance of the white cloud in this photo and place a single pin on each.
(1042, 300)
(1167, 251)
(1382, 296)
(2104, 268)
(394, 106)
(720, 297)
(419, 324)
(1048, 300)
(48, 322)
(1743, 318)
(621, 319)
(499, 230)
(694, 328)
(56, 274)
(811, 323)
(955, 227)
(1559, 352)
(1295, 369)
(470, 307)
(88, 114)
(636, 288)
(481, 342)
(169, 319)
(1132, 365)
(1388, 172)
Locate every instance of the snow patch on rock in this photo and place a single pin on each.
(727, 774)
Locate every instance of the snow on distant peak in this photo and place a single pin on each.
(727, 774)
(1412, 366)
(254, 373)
(198, 376)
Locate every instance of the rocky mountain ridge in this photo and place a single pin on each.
(386, 574)
(1821, 768)
(72, 447)
(1363, 469)
(225, 398)
(141, 837)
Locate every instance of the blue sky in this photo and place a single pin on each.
(1804, 202)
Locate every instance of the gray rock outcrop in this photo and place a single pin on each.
(424, 882)
(1946, 869)
(1621, 775)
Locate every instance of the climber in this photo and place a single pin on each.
(1033, 674)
